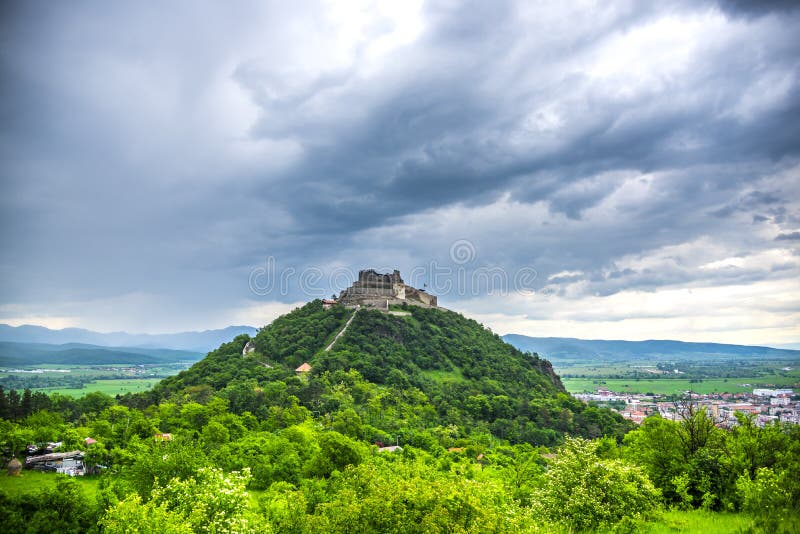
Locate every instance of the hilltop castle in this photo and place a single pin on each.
(376, 290)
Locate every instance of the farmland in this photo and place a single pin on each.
(674, 378)
(78, 380)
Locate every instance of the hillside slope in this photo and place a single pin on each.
(417, 373)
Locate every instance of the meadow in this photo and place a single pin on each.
(112, 387)
(35, 481)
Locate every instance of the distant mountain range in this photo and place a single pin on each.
(33, 345)
(199, 342)
(558, 349)
(14, 354)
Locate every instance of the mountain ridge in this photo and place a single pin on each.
(194, 341)
(561, 348)
(15, 354)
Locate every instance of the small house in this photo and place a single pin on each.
(305, 368)
(327, 303)
(66, 463)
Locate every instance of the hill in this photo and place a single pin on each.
(561, 348)
(414, 373)
(191, 341)
(27, 354)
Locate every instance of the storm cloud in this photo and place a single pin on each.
(156, 157)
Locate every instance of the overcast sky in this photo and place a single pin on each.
(625, 170)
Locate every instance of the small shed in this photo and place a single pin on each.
(327, 303)
(67, 463)
(305, 368)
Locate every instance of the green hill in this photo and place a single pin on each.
(413, 373)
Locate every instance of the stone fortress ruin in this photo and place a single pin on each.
(376, 290)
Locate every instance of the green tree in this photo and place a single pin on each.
(336, 451)
(131, 516)
(206, 502)
(769, 499)
(657, 448)
(584, 492)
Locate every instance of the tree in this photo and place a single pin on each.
(163, 461)
(206, 502)
(62, 508)
(697, 427)
(131, 516)
(336, 451)
(585, 492)
(657, 448)
(768, 498)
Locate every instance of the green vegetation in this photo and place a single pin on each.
(32, 482)
(64, 507)
(488, 442)
(674, 521)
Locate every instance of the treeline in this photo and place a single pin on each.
(15, 406)
(56, 380)
(315, 475)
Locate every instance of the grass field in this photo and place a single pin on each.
(33, 481)
(699, 521)
(109, 387)
(668, 386)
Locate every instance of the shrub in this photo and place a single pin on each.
(584, 492)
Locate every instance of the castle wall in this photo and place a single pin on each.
(377, 290)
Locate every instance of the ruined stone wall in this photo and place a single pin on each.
(414, 294)
(378, 290)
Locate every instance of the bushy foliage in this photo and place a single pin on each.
(767, 497)
(585, 492)
(132, 516)
(61, 508)
(210, 501)
(698, 465)
(410, 497)
(295, 337)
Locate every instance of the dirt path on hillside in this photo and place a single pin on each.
(350, 320)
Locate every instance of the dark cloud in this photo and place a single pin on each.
(171, 151)
(792, 236)
(756, 8)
